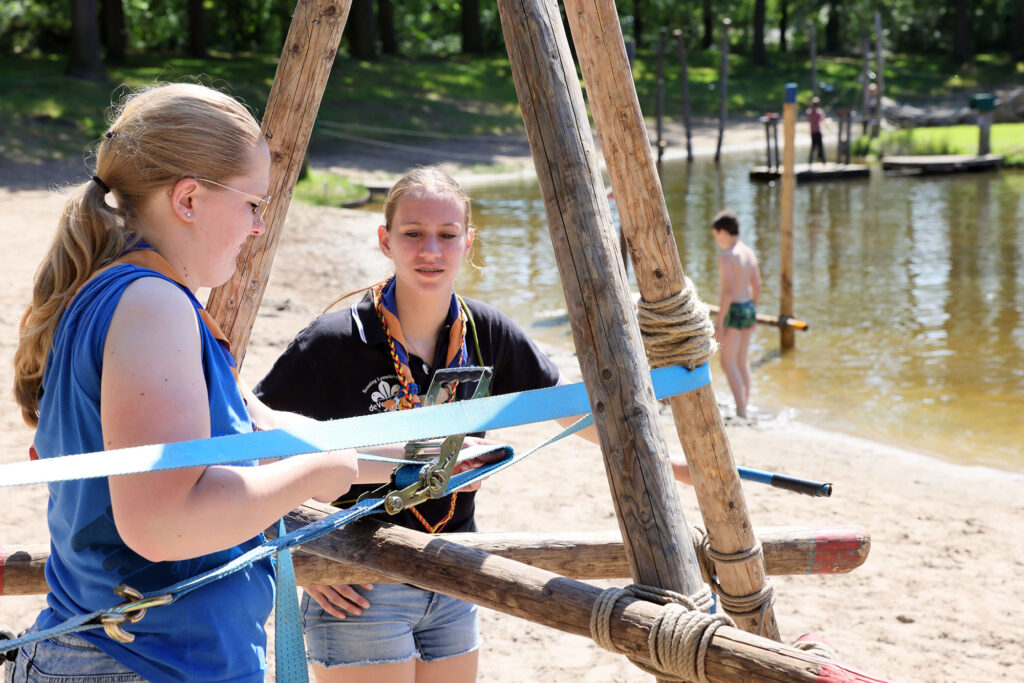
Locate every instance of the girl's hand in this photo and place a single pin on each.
(337, 600)
(476, 462)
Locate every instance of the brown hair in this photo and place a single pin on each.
(429, 178)
(726, 220)
(157, 136)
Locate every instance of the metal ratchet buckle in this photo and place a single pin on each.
(130, 612)
(433, 478)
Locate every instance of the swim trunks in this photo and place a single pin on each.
(741, 315)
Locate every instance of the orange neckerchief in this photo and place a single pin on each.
(456, 356)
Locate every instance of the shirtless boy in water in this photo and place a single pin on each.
(739, 285)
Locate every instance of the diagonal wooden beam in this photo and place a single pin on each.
(604, 328)
(659, 275)
(299, 83)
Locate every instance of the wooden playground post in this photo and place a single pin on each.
(843, 140)
(879, 71)
(786, 334)
(659, 275)
(660, 103)
(299, 83)
(811, 39)
(723, 78)
(865, 116)
(604, 328)
(685, 76)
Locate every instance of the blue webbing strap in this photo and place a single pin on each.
(667, 382)
(459, 417)
(309, 532)
(289, 648)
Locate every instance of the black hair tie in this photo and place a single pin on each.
(103, 185)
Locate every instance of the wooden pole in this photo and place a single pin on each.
(593, 279)
(985, 117)
(660, 104)
(659, 275)
(788, 339)
(773, 320)
(723, 78)
(299, 83)
(578, 555)
(880, 71)
(434, 563)
(812, 40)
(866, 76)
(685, 76)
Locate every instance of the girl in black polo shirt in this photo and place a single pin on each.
(380, 354)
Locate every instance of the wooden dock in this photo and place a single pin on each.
(941, 163)
(811, 172)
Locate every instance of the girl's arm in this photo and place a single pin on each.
(153, 391)
(370, 472)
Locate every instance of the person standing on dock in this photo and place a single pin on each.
(815, 115)
(739, 286)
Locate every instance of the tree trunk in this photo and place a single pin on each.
(1018, 30)
(196, 29)
(783, 25)
(472, 40)
(833, 43)
(638, 24)
(708, 17)
(962, 31)
(112, 15)
(84, 60)
(760, 58)
(386, 19)
(362, 33)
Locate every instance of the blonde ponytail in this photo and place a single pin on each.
(159, 135)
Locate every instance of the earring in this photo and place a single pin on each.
(188, 214)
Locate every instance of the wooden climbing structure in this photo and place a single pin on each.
(656, 538)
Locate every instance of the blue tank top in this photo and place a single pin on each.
(215, 633)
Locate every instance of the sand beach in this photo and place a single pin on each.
(938, 599)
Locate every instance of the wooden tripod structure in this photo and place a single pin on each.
(615, 370)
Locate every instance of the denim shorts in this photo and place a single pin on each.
(66, 659)
(402, 622)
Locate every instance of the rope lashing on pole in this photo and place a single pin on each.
(677, 330)
(679, 636)
(707, 558)
(813, 644)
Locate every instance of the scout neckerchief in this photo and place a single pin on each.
(408, 391)
(145, 257)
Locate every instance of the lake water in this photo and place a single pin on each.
(913, 288)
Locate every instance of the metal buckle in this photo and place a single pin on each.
(130, 612)
(434, 478)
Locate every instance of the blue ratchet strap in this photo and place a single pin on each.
(307, 533)
(459, 417)
(565, 402)
(289, 647)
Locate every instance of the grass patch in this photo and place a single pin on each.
(50, 117)
(327, 189)
(1007, 139)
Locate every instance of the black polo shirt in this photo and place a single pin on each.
(340, 366)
